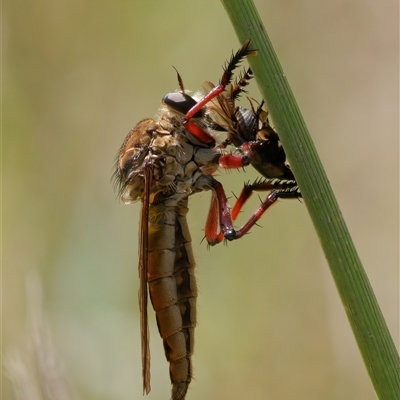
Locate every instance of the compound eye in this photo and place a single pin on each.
(181, 103)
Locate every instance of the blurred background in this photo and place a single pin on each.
(76, 77)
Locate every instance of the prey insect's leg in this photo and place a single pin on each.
(269, 201)
(281, 189)
(219, 215)
(220, 211)
(212, 224)
(285, 189)
(234, 161)
(248, 151)
(226, 78)
(239, 86)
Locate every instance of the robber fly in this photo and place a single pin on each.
(162, 162)
(256, 143)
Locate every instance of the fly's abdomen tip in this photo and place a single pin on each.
(179, 390)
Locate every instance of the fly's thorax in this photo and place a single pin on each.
(176, 163)
(207, 156)
(150, 144)
(131, 157)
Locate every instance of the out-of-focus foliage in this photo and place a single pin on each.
(76, 77)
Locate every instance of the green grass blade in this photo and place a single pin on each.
(369, 327)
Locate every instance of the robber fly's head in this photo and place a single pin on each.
(180, 103)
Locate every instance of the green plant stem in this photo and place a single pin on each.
(369, 327)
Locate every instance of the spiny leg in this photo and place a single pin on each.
(241, 83)
(284, 189)
(280, 189)
(212, 224)
(215, 91)
(248, 151)
(220, 211)
(219, 215)
(235, 161)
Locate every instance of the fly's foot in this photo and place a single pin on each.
(230, 235)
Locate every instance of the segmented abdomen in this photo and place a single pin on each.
(172, 288)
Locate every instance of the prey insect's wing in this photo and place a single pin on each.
(222, 108)
(143, 268)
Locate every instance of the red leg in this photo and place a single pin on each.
(244, 196)
(220, 210)
(247, 153)
(226, 78)
(269, 201)
(284, 189)
(200, 134)
(230, 161)
(214, 92)
(211, 229)
(219, 215)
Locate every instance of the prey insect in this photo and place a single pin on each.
(256, 143)
(162, 162)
